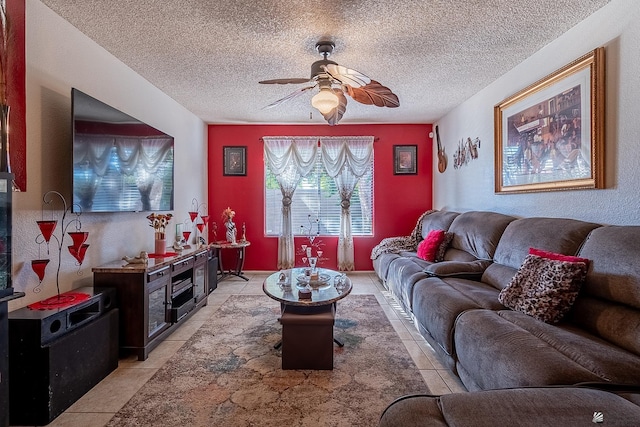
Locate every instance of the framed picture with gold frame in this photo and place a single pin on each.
(550, 135)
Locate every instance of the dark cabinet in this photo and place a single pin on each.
(200, 281)
(155, 297)
(56, 356)
(157, 302)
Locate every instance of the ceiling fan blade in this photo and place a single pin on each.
(285, 81)
(334, 116)
(374, 94)
(292, 95)
(346, 75)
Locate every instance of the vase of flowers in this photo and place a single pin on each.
(159, 223)
(227, 217)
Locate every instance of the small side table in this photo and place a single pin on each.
(239, 247)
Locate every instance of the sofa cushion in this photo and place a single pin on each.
(609, 303)
(544, 288)
(493, 352)
(437, 220)
(478, 233)
(560, 235)
(438, 302)
(468, 269)
(428, 247)
(539, 406)
(533, 353)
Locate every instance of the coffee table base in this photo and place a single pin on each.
(307, 338)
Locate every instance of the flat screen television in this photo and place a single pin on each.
(120, 164)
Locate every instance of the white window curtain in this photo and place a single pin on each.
(346, 160)
(289, 160)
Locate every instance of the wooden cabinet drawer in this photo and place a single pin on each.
(180, 266)
(158, 274)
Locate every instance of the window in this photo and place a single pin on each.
(317, 195)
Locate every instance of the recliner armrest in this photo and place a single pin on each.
(462, 269)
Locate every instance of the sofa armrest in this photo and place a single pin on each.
(462, 269)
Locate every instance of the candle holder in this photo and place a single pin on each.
(47, 235)
(313, 244)
(199, 210)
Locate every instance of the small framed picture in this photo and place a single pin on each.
(405, 159)
(235, 161)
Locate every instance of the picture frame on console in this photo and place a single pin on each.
(550, 135)
(235, 161)
(405, 159)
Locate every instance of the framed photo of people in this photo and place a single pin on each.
(550, 135)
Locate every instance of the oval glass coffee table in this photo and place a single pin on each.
(307, 323)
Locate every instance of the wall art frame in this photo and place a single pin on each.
(405, 159)
(234, 160)
(550, 135)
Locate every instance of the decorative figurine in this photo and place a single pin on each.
(227, 216)
(142, 259)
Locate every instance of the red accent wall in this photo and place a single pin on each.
(16, 93)
(398, 199)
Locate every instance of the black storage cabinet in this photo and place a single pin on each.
(56, 356)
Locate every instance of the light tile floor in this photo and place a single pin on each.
(96, 408)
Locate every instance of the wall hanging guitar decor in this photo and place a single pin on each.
(442, 156)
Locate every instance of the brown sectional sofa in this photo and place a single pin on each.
(454, 303)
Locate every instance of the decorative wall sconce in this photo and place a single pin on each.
(47, 235)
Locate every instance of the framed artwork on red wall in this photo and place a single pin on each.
(405, 159)
(235, 161)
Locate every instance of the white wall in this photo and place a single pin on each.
(59, 57)
(472, 186)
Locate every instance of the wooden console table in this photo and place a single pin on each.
(155, 297)
(239, 247)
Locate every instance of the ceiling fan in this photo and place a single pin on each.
(333, 82)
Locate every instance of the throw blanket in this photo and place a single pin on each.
(394, 245)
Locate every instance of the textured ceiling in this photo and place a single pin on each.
(210, 55)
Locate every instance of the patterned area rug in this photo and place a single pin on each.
(229, 374)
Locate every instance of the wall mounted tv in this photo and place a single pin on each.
(120, 164)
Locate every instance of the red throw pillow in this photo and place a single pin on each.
(556, 256)
(429, 246)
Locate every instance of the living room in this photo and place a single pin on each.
(59, 57)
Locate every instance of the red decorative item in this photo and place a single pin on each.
(78, 252)
(60, 301)
(186, 235)
(38, 266)
(205, 218)
(47, 228)
(78, 237)
(164, 255)
(200, 226)
(193, 215)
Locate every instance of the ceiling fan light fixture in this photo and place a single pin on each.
(325, 101)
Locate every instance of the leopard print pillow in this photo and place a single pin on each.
(544, 288)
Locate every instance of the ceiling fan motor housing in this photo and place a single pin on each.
(325, 48)
(316, 67)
